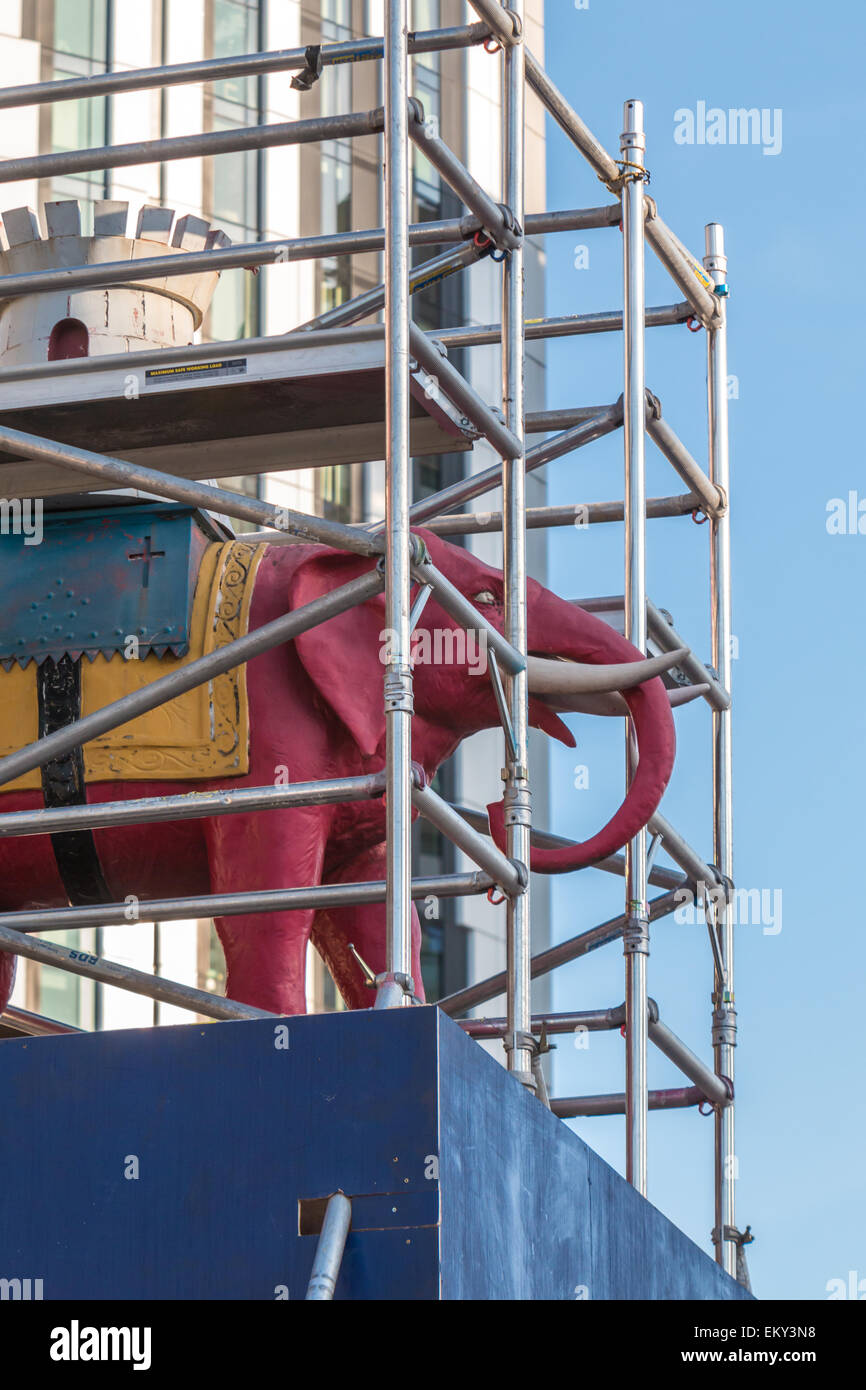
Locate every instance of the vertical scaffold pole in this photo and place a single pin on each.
(636, 936)
(724, 1011)
(518, 806)
(398, 675)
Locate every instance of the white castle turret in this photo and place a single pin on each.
(92, 322)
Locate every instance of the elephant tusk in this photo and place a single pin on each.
(614, 706)
(574, 678)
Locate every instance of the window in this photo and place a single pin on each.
(80, 48)
(235, 205)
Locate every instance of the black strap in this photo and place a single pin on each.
(58, 686)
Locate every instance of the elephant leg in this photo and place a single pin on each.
(364, 927)
(266, 953)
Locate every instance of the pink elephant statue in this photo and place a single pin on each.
(316, 708)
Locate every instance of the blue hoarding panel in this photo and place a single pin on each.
(177, 1163)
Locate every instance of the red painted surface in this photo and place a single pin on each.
(316, 708)
(69, 338)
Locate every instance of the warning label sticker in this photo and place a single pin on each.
(235, 366)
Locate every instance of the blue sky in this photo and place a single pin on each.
(794, 224)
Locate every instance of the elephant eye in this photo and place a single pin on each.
(484, 597)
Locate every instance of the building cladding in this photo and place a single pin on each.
(283, 192)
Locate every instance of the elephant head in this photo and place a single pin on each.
(577, 663)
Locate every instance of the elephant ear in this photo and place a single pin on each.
(342, 656)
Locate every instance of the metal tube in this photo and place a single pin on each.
(252, 255)
(569, 121)
(682, 852)
(113, 470)
(636, 935)
(108, 972)
(551, 959)
(242, 65)
(496, 221)
(460, 833)
(544, 839)
(421, 278)
(570, 326)
(713, 1087)
(324, 895)
(150, 810)
(589, 1020)
(455, 386)
(398, 553)
(724, 1010)
(505, 25)
(35, 1025)
(682, 268)
(517, 792)
(539, 518)
(683, 1098)
(185, 678)
(257, 137)
(712, 501)
(665, 634)
(329, 1250)
(605, 422)
(454, 602)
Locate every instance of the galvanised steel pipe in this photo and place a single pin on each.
(421, 278)
(570, 326)
(678, 264)
(329, 1250)
(505, 24)
(573, 220)
(679, 850)
(107, 972)
(243, 65)
(717, 1091)
(465, 613)
(517, 794)
(113, 470)
(569, 121)
(474, 995)
(724, 1014)
(150, 810)
(664, 632)
(158, 692)
(504, 873)
(579, 515)
(636, 934)
(457, 388)
(588, 1021)
(556, 421)
(496, 221)
(253, 255)
(35, 1025)
(712, 501)
(398, 693)
(683, 1098)
(477, 484)
(544, 839)
(213, 142)
(326, 895)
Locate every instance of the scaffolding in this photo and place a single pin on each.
(401, 564)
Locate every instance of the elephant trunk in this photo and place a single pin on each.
(563, 631)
